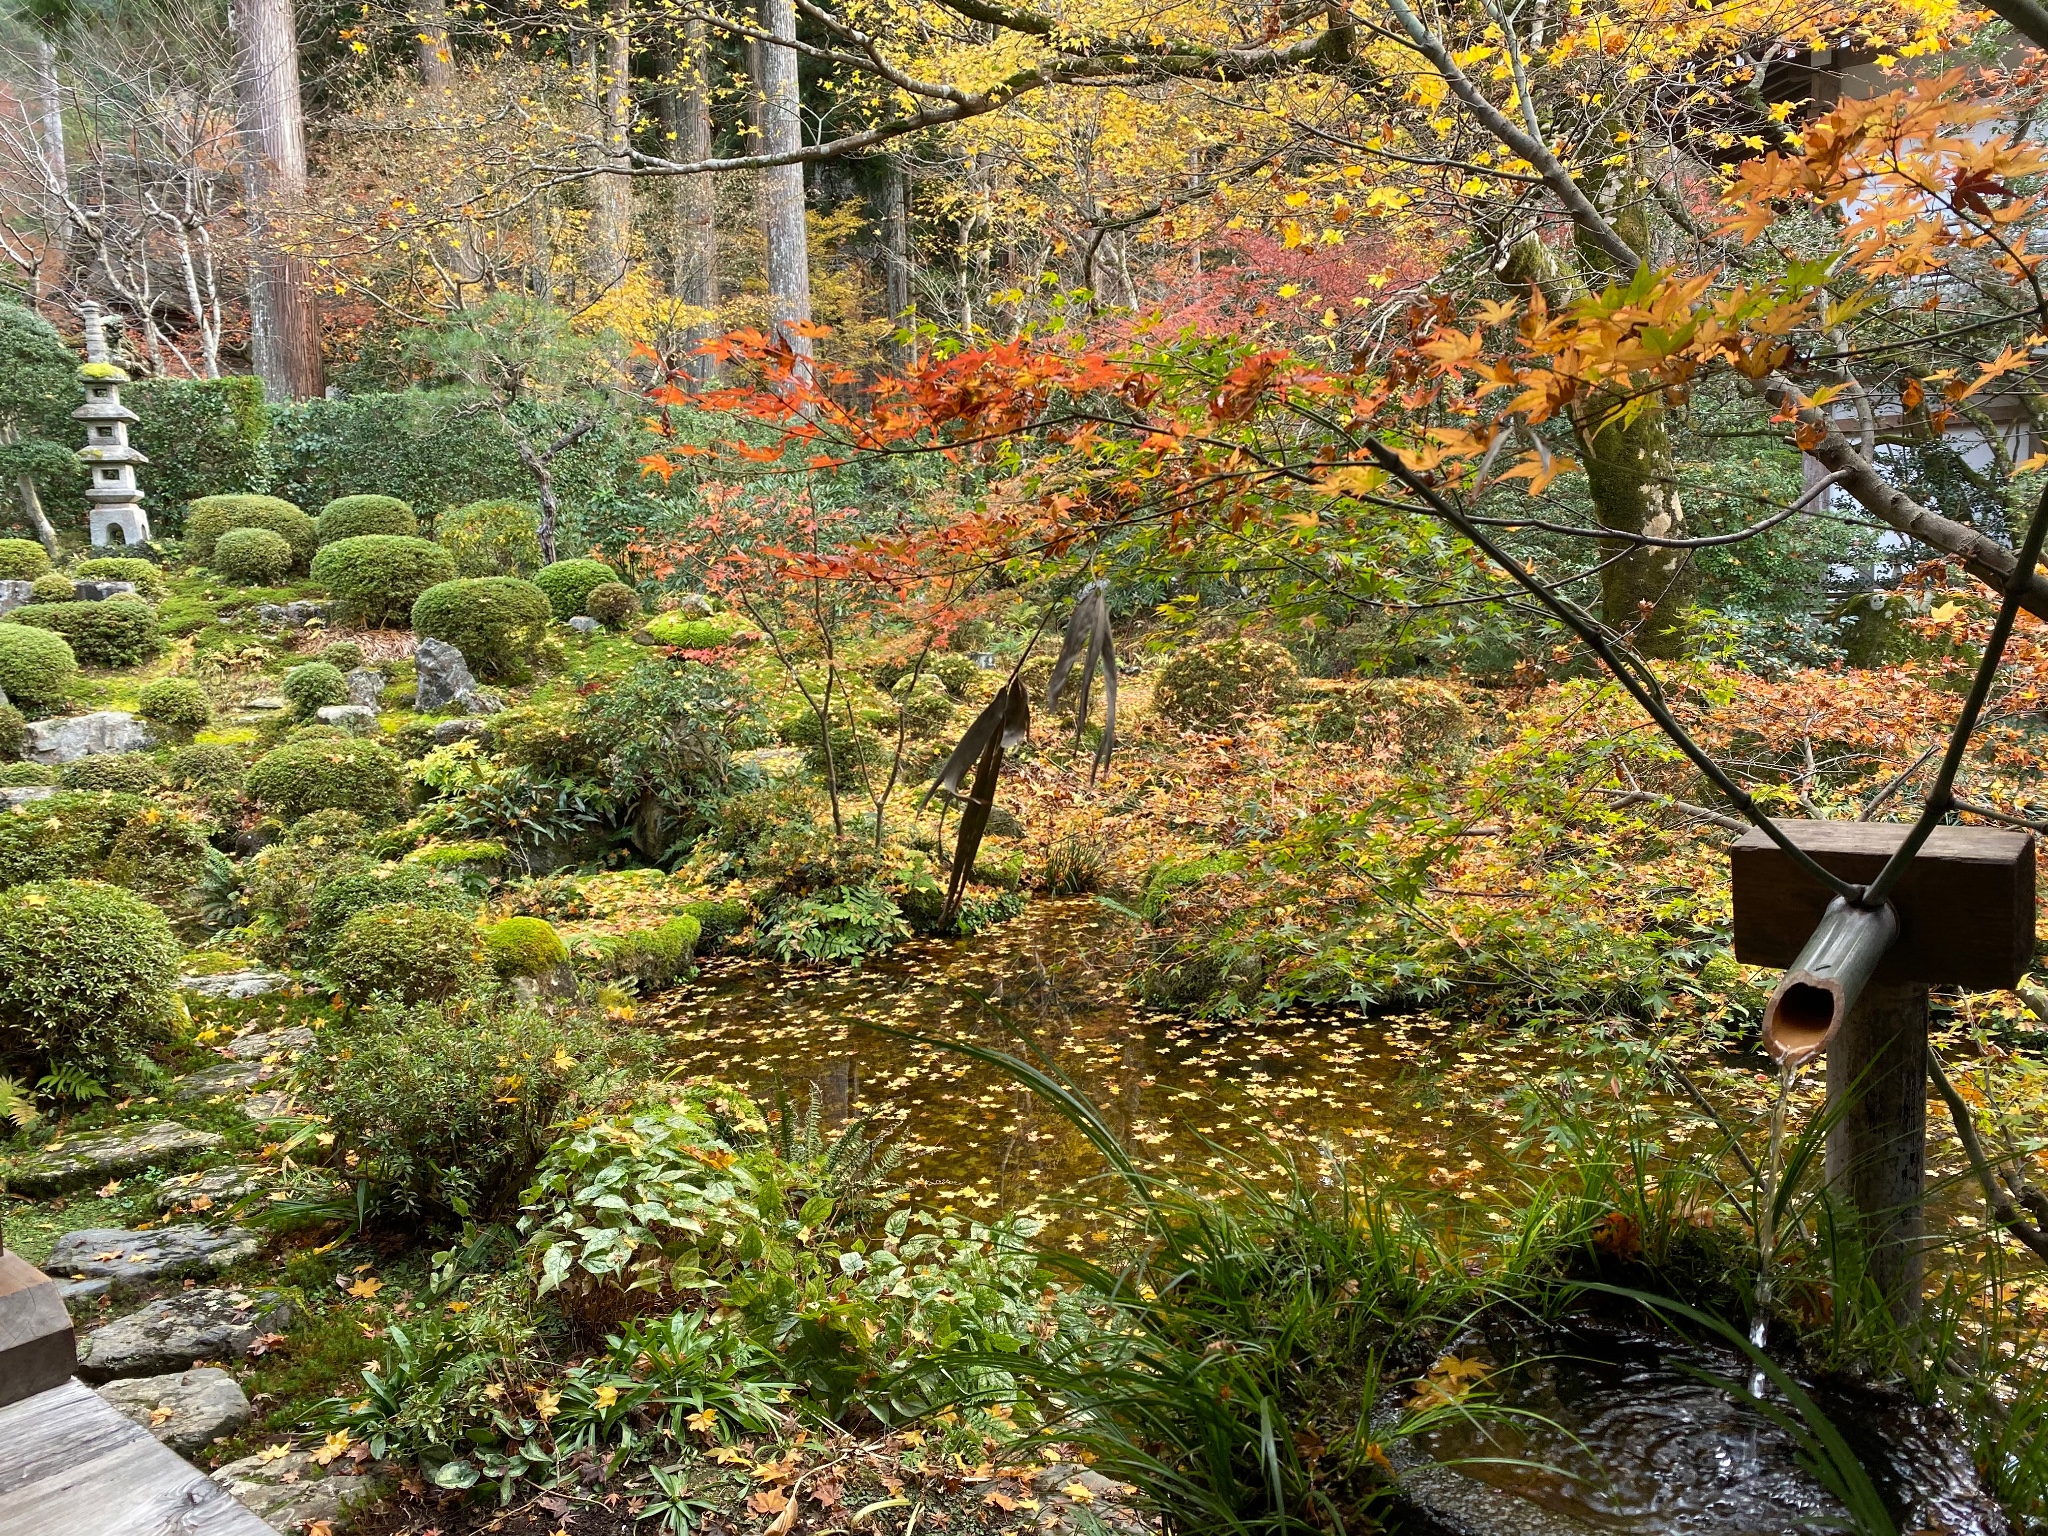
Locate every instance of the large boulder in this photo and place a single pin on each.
(187, 1412)
(100, 591)
(179, 1331)
(74, 1162)
(16, 594)
(75, 736)
(365, 686)
(132, 1259)
(444, 676)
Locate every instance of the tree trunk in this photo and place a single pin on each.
(782, 186)
(695, 278)
(896, 258)
(32, 508)
(431, 50)
(611, 224)
(1877, 1151)
(284, 315)
(56, 165)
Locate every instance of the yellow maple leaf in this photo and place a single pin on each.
(704, 1421)
(606, 1396)
(546, 1405)
(335, 1445)
(1079, 1493)
(274, 1452)
(366, 1287)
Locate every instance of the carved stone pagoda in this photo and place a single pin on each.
(116, 516)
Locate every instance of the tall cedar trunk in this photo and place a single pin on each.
(284, 315)
(1644, 590)
(896, 255)
(56, 166)
(697, 253)
(611, 224)
(431, 50)
(782, 186)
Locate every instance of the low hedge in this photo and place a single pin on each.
(497, 622)
(208, 517)
(375, 578)
(327, 773)
(37, 666)
(120, 632)
(350, 517)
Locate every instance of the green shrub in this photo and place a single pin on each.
(145, 574)
(347, 895)
(524, 946)
(329, 773)
(447, 1113)
(22, 560)
(612, 603)
(343, 656)
(652, 957)
(956, 673)
(375, 577)
(53, 588)
(492, 538)
(1212, 685)
(65, 834)
(88, 974)
(202, 436)
(120, 632)
(842, 925)
(37, 666)
(718, 922)
(209, 765)
(690, 633)
(497, 622)
(251, 557)
(160, 855)
(350, 517)
(406, 953)
(278, 887)
(332, 832)
(312, 686)
(208, 517)
(16, 775)
(125, 773)
(13, 732)
(568, 582)
(176, 706)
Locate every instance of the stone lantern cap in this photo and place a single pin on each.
(103, 410)
(112, 453)
(103, 373)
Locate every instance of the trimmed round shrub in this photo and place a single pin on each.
(1224, 681)
(343, 655)
(22, 560)
(210, 765)
(160, 855)
(208, 517)
(251, 557)
(374, 578)
(53, 588)
(313, 686)
(120, 632)
(63, 836)
(176, 706)
(497, 622)
(13, 732)
(492, 538)
(351, 517)
(568, 582)
(37, 666)
(88, 975)
(125, 773)
(612, 603)
(524, 946)
(330, 773)
(406, 953)
(332, 832)
(148, 579)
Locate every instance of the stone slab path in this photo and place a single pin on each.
(179, 1331)
(78, 1162)
(187, 1411)
(129, 1259)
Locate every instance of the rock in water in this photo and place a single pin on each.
(73, 1162)
(133, 1258)
(175, 1333)
(365, 686)
(444, 676)
(187, 1411)
(69, 739)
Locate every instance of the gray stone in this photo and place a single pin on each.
(16, 594)
(209, 1189)
(69, 1291)
(695, 604)
(133, 1259)
(584, 624)
(293, 1490)
(235, 984)
(444, 675)
(24, 794)
(188, 1412)
(268, 702)
(481, 701)
(222, 1078)
(100, 591)
(446, 731)
(258, 1044)
(356, 719)
(290, 615)
(73, 1162)
(366, 686)
(76, 736)
(179, 1331)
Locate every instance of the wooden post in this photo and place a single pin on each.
(1877, 1148)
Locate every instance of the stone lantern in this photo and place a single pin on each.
(107, 455)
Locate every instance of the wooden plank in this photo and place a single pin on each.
(72, 1466)
(1966, 906)
(38, 1349)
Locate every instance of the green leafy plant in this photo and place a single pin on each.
(23, 560)
(844, 925)
(146, 576)
(492, 538)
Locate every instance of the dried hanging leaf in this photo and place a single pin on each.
(1008, 719)
(1088, 641)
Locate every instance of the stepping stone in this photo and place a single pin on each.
(277, 1104)
(76, 1162)
(188, 1411)
(227, 1077)
(293, 1490)
(209, 1189)
(69, 1291)
(179, 1331)
(235, 984)
(134, 1259)
(259, 1043)
(267, 703)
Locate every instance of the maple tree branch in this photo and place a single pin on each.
(2005, 1208)
(1623, 798)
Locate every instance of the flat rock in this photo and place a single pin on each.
(448, 731)
(290, 615)
(222, 1078)
(267, 702)
(100, 591)
(208, 1189)
(76, 736)
(16, 594)
(235, 984)
(292, 1490)
(22, 794)
(179, 1331)
(356, 719)
(135, 1258)
(443, 674)
(584, 624)
(366, 686)
(74, 1162)
(259, 1043)
(69, 1291)
(188, 1411)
